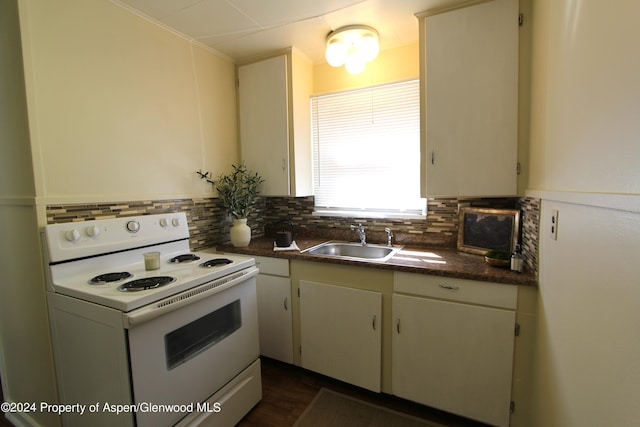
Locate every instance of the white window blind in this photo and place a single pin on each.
(366, 150)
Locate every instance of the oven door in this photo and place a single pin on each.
(185, 355)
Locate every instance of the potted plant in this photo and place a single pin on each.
(237, 191)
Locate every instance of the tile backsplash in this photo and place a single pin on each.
(438, 229)
(209, 226)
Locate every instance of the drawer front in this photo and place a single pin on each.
(273, 266)
(461, 290)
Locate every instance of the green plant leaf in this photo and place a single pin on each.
(237, 189)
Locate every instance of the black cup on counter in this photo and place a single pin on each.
(284, 237)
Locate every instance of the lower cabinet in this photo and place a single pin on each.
(275, 322)
(443, 342)
(274, 309)
(451, 354)
(341, 333)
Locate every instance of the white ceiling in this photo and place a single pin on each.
(242, 29)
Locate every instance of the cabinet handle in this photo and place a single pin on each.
(284, 164)
(449, 287)
(373, 322)
(286, 308)
(398, 325)
(433, 157)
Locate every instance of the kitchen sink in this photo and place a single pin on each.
(353, 251)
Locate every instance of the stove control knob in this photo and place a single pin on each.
(175, 222)
(133, 226)
(92, 231)
(163, 222)
(72, 235)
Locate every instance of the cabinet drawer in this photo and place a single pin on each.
(469, 291)
(273, 266)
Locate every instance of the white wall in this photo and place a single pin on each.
(585, 162)
(26, 365)
(588, 352)
(97, 105)
(585, 96)
(120, 108)
(15, 153)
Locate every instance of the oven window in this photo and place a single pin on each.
(195, 337)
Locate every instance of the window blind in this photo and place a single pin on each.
(366, 149)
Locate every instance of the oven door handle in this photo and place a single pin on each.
(187, 297)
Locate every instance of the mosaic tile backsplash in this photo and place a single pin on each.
(209, 226)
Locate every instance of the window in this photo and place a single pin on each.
(366, 151)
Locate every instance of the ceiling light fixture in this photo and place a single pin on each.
(352, 46)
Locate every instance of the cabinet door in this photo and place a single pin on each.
(274, 317)
(454, 357)
(471, 92)
(264, 122)
(341, 333)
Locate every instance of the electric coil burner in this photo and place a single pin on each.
(110, 278)
(184, 258)
(146, 283)
(216, 262)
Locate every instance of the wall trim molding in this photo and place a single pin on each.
(172, 30)
(99, 199)
(622, 202)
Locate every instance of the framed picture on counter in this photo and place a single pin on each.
(483, 229)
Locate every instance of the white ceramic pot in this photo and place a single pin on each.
(240, 233)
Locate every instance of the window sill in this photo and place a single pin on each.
(343, 213)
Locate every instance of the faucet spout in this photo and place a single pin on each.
(389, 236)
(361, 233)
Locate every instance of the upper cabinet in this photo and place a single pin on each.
(469, 126)
(273, 96)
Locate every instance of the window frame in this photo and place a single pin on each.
(376, 212)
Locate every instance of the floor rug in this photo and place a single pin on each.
(330, 409)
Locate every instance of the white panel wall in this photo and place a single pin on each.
(26, 364)
(119, 108)
(588, 352)
(585, 159)
(585, 96)
(116, 108)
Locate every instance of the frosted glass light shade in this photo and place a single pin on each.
(336, 54)
(352, 46)
(369, 47)
(355, 64)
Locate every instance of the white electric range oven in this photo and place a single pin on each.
(176, 345)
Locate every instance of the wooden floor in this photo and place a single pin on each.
(287, 390)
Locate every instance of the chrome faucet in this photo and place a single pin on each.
(389, 236)
(361, 233)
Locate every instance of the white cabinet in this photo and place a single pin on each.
(341, 333)
(275, 322)
(469, 72)
(273, 98)
(274, 317)
(274, 308)
(448, 352)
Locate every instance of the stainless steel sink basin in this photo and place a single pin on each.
(353, 251)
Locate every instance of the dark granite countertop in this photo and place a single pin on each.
(414, 259)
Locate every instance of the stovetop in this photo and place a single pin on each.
(108, 249)
(74, 281)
